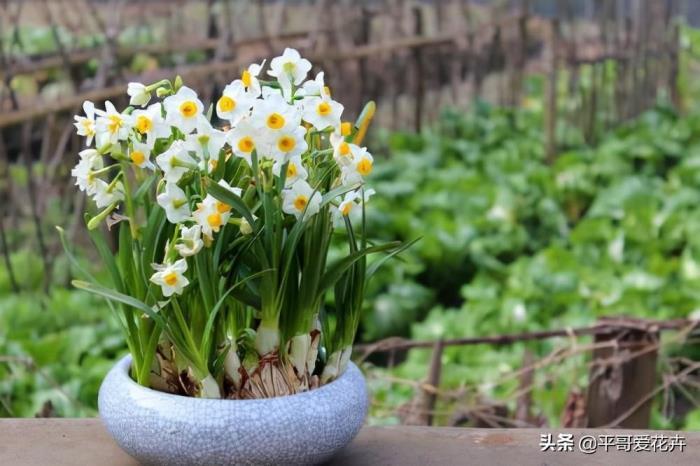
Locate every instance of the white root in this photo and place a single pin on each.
(231, 365)
(330, 372)
(209, 389)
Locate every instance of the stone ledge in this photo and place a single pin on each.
(72, 442)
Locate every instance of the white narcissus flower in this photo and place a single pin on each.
(318, 107)
(286, 143)
(111, 126)
(140, 155)
(90, 161)
(107, 194)
(250, 80)
(171, 277)
(234, 103)
(351, 200)
(289, 69)
(274, 113)
(140, 95)
(360, 167)
(150, 123)
(348, 203)
(206, 137)
(295, 170)
(175, 162)
(183, 109)
(86, 125)
(343, 152)
(301, 200)
(211, 215)
(242, 140)
(190, 241)
(174, 201)
(322, 112)
(316, 87)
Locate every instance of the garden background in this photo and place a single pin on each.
(547, 153)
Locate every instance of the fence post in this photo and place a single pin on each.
(623, 375)
(418, 60)
(420, 410)
(550, 116)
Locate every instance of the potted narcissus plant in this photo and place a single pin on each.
(239, 327)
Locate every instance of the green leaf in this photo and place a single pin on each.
(335, 271)
(372, 269)
(119, 297)
(334, 193)
(212, 315)
(107, 257)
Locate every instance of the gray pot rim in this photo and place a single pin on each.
(124, 365)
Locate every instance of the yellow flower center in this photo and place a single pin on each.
(323, 109)
(289, 67)
(226, 104)
(89, 127)
(291, 170)
(170, 279)
(345, 128)
(188, 109)
(275, 121)
(138, 157)
(115, 123)
(203, 139)
(347, 207)
(364, 167)
(300, 202)
(246, 144)
(246, 78)
(222, 208)
(214, 221)
(143, 124)
(286, 143)
(344, 148)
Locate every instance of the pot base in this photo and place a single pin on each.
(161, 428)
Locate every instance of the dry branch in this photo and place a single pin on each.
(609, 326)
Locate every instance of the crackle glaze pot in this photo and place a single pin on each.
(160, 428)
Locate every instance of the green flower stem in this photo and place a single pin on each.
(161, 83)
(130, 211)
(104, 169)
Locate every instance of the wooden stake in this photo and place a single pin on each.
(621, 378)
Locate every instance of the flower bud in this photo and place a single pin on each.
(245, 227)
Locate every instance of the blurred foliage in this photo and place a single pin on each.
(513, 244)
(54, 348)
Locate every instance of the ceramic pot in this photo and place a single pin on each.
(161, 428)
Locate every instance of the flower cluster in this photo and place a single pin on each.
(227, 213)
(273, 121)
